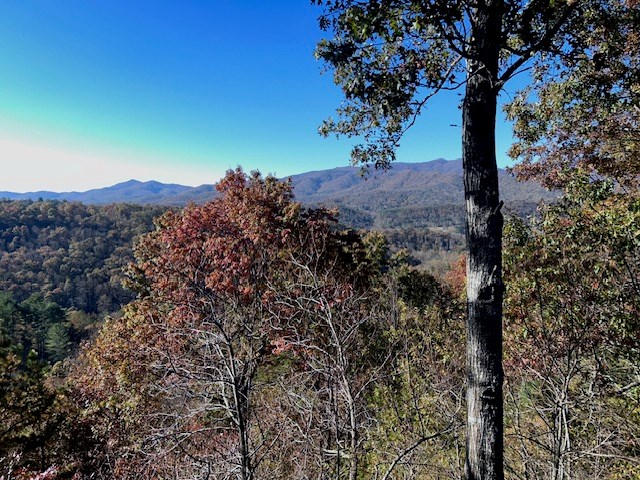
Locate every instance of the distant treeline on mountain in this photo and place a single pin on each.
(428, 194)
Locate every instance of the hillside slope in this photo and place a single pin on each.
(408, 195)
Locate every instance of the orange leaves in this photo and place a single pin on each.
(456, 277)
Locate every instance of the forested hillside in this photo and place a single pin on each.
(62, 266)
(61, 271)
(69, 252)
(74, 254)
(428, 194)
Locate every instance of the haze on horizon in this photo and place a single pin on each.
(179, 92)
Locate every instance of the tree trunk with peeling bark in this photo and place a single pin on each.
(484, 263)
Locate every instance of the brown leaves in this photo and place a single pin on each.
(183, 369)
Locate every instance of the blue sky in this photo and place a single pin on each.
(94, 92)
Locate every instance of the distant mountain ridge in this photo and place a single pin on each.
(131, 191)
(420, 194)
(427, 194)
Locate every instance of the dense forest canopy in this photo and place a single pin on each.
(266, 339)
(70, 252)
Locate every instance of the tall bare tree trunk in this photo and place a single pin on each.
(484, 242)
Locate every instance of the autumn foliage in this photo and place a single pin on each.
(188, 372)
(265, 342)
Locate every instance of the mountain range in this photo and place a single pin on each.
(409, 194)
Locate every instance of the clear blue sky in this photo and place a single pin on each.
(98, 91)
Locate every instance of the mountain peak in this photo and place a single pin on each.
(128, 183)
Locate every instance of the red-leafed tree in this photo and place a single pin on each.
(233, 296)
(198, 333)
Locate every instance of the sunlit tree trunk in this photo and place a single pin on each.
(484, 242)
